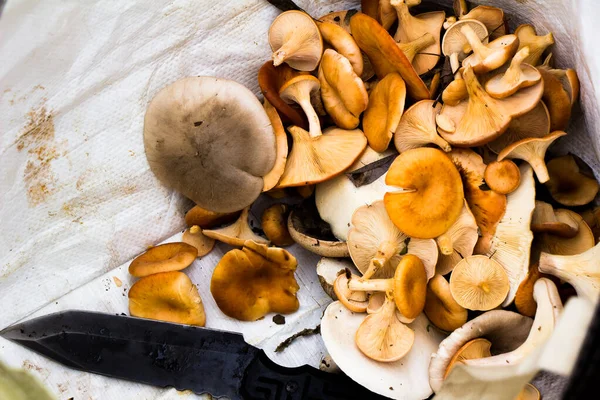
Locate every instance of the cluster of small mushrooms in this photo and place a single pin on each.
(409, 151)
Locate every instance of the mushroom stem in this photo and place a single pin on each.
(445, 244)
(314, 125)
(513, 74)
(540, 169)
(411, 49)
(478, 47)
(455, 65)
(384, 253)
(394, 189)
(371, 285)
(290, 47)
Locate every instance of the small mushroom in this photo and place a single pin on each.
(557, 99)
(502, 176)
(567, 185)
(355, 301)
(458, 242)
(343, 43)
(454, 42)
(237, 233)
(167, 296)
(581, 271)
(546, 220)
(537, 44)
(299, 90)
(491, 17)
(195, 144)
(343, 92)
(163, 258)
(376, 245)
(274, 224)
(248, 284)
(517, 76)
(474, 349)
(428, 195)
(417, 127)
(295, 39)
(386, 105)
(488, 57)
(479, 283)
(208, 219)
(569, 80)
(441, 308)
(328, 269)
(581, 242)
(524, 300)
(281, 143)
(194, 237)
(532, 150)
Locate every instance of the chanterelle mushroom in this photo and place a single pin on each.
(167, 296)
(488, 57)
(517, 76)
(502, 176)
(441, 308)
(417, 127)
(249, 283)
(195, 144)
(491, 17)
(537, 44)
(568, 185)
(237, 233)
(274, 224)
(343, 43)
(458, 242)
(207, 219)
(163, 258)
(295, 39)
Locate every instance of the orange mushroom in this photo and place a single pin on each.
(162, 258)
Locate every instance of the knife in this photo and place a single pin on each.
(163, 354)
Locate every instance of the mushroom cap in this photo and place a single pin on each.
(237, 233)
(580, 243)
(537, 44)
(194, 237)
(529, 392)
(517, 76)
(441, 308)
(249, 283)
(376, 301)
(567, 185)
(500, 51)
(533, 124)
(434, 198)
(195, 144)
(454, 41)
(474, 349)
(292, 89)
(340, 18)
(317, 159)
(342, 42)
(271, 179)
(524, 300)
(502, 176)
(328, 270)
(557, 99)
(417, 127)
(545, 219)
(382, 116)
(208, 219)
(402, 379)
(410, 286)
(491, 17)
(167, 296)
(324, 248)
(463, 235)
(274, 223)
(355, 301)
(343, 92)
(163, 258)
(298, 28)
(384, 54)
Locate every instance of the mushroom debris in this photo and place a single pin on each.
(408, 160)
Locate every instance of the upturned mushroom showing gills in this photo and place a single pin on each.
(237, 233)
(454, 41)
(582, 241)
(517, 76)
(194, 237)
(295, 39)
(167, 296)
(376, 245)
(568, 185)
(355, 301)
(428, 197)
(343, 92)
(414, 47)
(502, 176)
(417, 127)
(248, 284)
(488, 57)
(382, 116)
(458, 242)
(441, 308)
(163, 258)
(532, 150)
(546, 220)
(299, 90)
(537, 44)
(491, 17)
(195, 144)
(474, 349)
(343, 43)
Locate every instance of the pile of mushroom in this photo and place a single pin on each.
(423, 156)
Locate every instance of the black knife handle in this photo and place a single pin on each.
(265, 380)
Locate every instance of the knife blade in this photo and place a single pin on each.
(163, 354)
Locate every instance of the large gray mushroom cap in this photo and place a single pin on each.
(211, 140)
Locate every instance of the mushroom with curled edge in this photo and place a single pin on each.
(428, 193)
(271, 179)
(248, 284)
(488, 57)
(458, 242)
(296, 40)
(557, 99)
(546, 220)
(502, 176)
(194, 237)
(237, 233)
(537, 44)
(517, 76)
(441, 308)
(562, 246)
(195, 144)
(569, 80)
(163, 258)
(343, 43)
(524, 301)
(355, 301)
(582, 271)
(208, 219)
(417, 127)
(532, 150)
(491, 17)
(328, 269)
(568, 185)
(167, 296)
(376, 245)
(476, 348)
(274, 224)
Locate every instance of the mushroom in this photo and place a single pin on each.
(406, 378)
(167, 296)
(458, 242)
(376, 245)
(532, 150)
(248, 284)
(237, 233)
(592, 218)
(479, 283)
(383, 337)
(270, 80)
(343, 92)
(533, 124)
(376, 301)
(305, 191)
(328, 270)
(491, 17)
(569, 79)
(295, 39)
(417, 127)
(343, 43)
(383, 11)
(195, 144)
(208, 219)
(524, 301)
(299, 89)
(274, 224)
(488, 57)
(567, 185)
(415, 47)
(386, 105)
(474, 349)
(517, 76)
(546, 220)
(428, 195)
(355, 301)
(340, 18)
(581, 242)
(163, 258)
(271, 179)
(537, 44)
(481, 118)
(557, 99)
(441, 308)
(506, 330)
(194, 237)
(502, 176)
(385, 55)
(529, 392)
(582, 271)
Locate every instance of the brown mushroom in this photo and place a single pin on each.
(546, 220)
(524, 301)
(274, 224)
(557, 99)
(163, 258)
(502, 176)
(517, 76)
(414, 47)
(568, 185)
(237, 233)
(488, 57)
(296, 40)
(194, 237)
(563, 246)
(441, 308)
(417, 127)
(208, 219)
(343, 43)
(271, 179)
(537, 44)
(491, 17)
